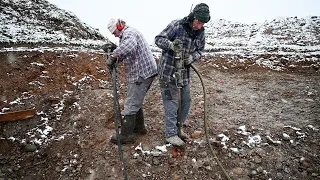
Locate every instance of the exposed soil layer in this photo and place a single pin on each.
(68, 138)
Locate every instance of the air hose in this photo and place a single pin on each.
(116, 120)
(206, 125)
(116, 117)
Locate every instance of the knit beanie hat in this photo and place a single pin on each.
(201, 12)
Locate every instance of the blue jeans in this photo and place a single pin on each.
(169, 92)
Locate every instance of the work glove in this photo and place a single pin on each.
(176, 45)
(108, 47)
(110, 62)
(188, 61)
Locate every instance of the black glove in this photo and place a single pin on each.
(176, 45)
(111, 61)
(108, 47)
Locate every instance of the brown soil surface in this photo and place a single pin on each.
(72, 94)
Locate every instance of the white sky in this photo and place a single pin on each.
(151, 17)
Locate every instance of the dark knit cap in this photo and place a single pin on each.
(201, 12)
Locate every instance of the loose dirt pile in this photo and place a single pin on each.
(263, 124)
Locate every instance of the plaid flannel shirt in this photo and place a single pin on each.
(135, 52)
(193, 44)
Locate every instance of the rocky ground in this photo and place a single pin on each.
(262, 123)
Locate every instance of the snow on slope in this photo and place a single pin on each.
(40, 22)
(279, 36)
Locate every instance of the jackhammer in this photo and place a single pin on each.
(108, 49)
(179, 65)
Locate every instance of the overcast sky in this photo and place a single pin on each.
(151, 17)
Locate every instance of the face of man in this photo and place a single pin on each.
(196, 25)
(116, 33)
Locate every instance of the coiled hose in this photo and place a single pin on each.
(206, 125)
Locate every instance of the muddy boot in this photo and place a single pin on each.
(126, 134)
(140, 128)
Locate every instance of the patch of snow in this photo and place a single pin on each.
(294, 128)
(224, 140)
(235, 150)
(301, 135)
(162, 148)
(285, 135)
(313, 128)
(242, 130)
(37, 64)
(273, 141)
(253, 141)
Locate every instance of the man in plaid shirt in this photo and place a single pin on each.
(184, 37)
(141, 68)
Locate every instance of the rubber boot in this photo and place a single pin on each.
(126, 134)
(140, 128)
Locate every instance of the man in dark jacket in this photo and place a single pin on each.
(183, 41)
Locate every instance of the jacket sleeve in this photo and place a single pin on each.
(168, 34)
(127, 46)
(198, 53)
